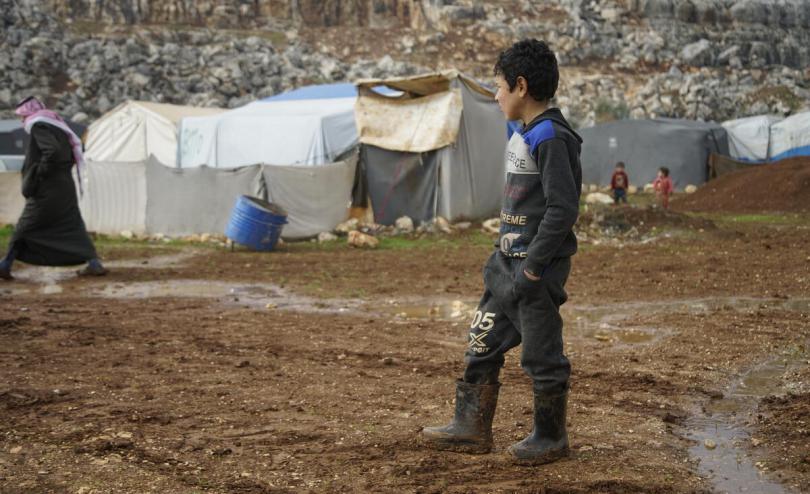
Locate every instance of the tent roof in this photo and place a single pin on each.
(284, 131)
(755, 120)
(175, 113)
(426, 84)
(320, 91)
(172, 113)
(326, 91)
(292, 107)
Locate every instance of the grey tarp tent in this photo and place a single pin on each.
(684, 146)
(14, 139)
(148, 197)
(436, 150)
(199, 200)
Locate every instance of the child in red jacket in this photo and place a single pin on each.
(663, 187)
(619, 183)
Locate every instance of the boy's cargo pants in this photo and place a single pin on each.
(516, 310)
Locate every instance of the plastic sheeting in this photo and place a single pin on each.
(287, 132)
(11, 200)
(116, 197)
(200, 200)
(185, 202)
(645, 145)
(791, 137)
(749, 138)
(135, 130)
(316, 198)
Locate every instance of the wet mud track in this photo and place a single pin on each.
(110, 389)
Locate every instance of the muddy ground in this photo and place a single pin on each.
(313, 368)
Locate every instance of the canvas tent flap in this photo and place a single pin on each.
(749, 138)
(411, 125)
(401, 184)
(115, 199)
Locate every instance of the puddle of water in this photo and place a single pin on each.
(51, 289)
(264, 296)
(598, 323)
(178, 288)
(721, 435)
(447, 310)
(10, 292)
(49, 279)
(46, 276)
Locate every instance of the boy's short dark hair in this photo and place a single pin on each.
(620, 164)
(664, 170)
(533, 60)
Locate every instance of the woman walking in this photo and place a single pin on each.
(50, 231)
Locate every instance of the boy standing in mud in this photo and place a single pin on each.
(525, 277)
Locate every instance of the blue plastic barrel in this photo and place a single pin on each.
(256, 223)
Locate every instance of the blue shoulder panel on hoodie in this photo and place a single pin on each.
(537, 134)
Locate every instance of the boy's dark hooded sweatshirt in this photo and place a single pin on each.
(541, 196)
(540, 207)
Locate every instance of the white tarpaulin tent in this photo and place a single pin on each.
(749, 138)
(311, 126)
(791, 137)
(134, 130)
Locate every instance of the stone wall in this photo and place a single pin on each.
(713, 59)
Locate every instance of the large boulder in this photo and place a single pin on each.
(698, 54)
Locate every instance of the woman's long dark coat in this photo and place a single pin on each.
(50, 231)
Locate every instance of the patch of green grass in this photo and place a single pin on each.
(759, 219)
(474, 238)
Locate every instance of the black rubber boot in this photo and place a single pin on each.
(93, 268)
(471, 428)
(549, 440)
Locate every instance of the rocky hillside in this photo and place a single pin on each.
(708, 59)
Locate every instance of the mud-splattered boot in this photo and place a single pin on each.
(549, 440)
(471, 428)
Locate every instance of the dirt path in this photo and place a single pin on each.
(226, 394)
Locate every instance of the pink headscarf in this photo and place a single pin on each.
(33, 111)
